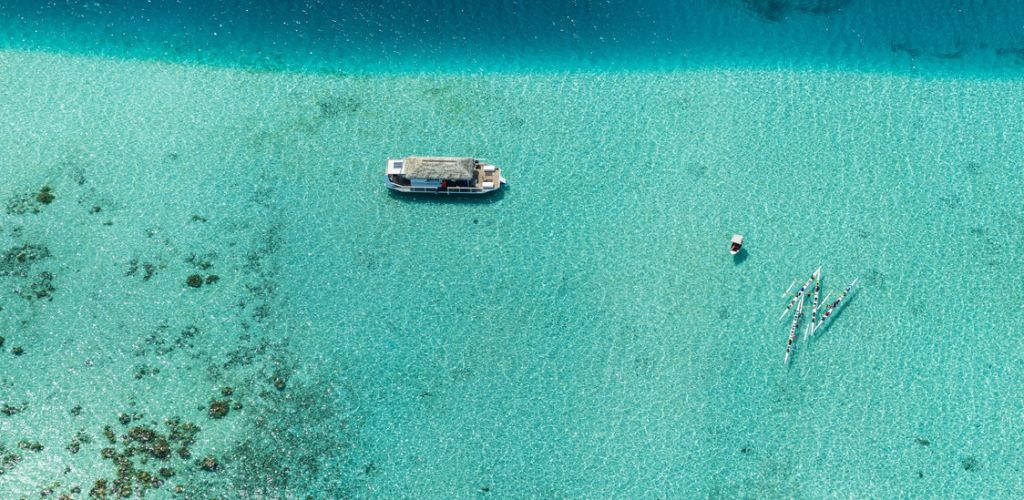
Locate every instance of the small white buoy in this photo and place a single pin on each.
(736, 244)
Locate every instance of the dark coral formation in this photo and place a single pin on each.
(1016, 52)
(30, 203)
(201, 262)
(162, 343)
(209, 464)
(218, 408)
(39, 288)
(76, 444)
(11, 410)
(913, 52)
(143, 455)
(8, 460)
(776, 10)
(17, 261)
(45, 195)
(149, 269)
(99, 490)
(969, 464)
(904, 48)
(33, 446)
(259, 467)
(132, 453)
(143, 370)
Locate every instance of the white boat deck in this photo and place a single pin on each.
(485, 178)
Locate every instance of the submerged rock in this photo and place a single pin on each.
(194, 281)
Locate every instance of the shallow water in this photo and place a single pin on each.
(583, 333)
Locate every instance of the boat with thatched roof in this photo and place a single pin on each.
(443, 175)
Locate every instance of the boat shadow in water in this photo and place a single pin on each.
(740, 257)
(837, 314)
(450, 199)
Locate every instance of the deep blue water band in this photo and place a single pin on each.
(948, 36)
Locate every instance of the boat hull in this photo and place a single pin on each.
(439, 190)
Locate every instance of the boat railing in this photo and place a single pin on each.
(435, 190)
(450, 189)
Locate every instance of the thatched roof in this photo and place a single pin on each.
(439, 167)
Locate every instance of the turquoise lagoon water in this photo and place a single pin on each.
(582, 334)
